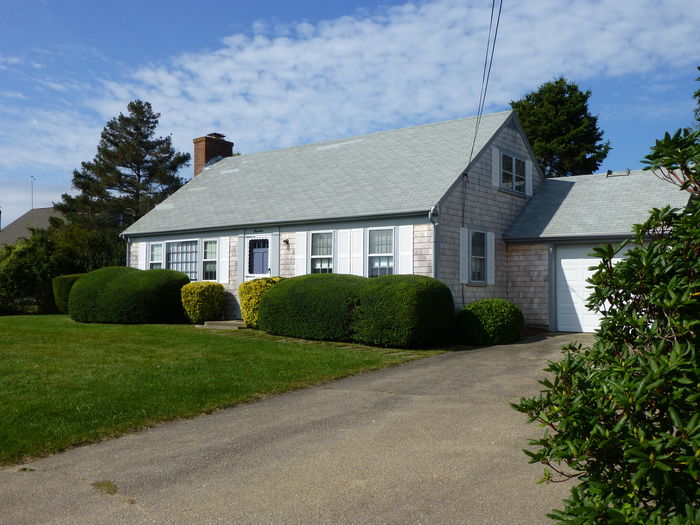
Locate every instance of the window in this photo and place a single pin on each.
(512, 173)
(381, 252)
(209, 261)
(322, 253)
(182, 257)
(258, 256)
(477, 257)
(155, 260)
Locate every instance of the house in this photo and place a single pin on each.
(21, 228)
(430, 200)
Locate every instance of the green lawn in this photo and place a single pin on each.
(64, 383)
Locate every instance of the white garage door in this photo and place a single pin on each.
(572, 262)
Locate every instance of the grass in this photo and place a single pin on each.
(64, 383)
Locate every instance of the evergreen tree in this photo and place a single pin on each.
(563, 133)
(132, 172)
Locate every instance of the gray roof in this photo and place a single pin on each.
(19, 228)
(387, 173)
(593, 206)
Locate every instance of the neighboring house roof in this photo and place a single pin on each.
(395, 172)
(19, 228)
(593, 206)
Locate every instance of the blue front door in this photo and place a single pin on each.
(259, 257)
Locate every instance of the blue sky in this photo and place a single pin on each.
(271, 74)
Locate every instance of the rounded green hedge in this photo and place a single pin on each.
(121, 295)
(316, 306)
(249, 294)
(490, 322)
(403, 311)
(203, 301)
(62, 286)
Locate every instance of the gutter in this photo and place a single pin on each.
(578, 238)
(432, 217)
(411, 213)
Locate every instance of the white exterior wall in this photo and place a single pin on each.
(478, 203)
(421, 263)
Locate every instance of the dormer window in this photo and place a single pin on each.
(512, 173)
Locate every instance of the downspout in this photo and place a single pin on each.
(432, 217)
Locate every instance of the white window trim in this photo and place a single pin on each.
(465, 256)
(332, 257)
(165, 255)
(471, 256)
(149, 254)
(513, 174)
(215, 260)
(391, 254)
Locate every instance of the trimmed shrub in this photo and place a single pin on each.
(316, 306)
(121, 295)
(203, 301)
(61, 289)
(490, 322)
(403, 311)
(249, 294)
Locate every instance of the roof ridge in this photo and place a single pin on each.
(371, 134)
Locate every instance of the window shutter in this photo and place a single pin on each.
(528, 178)
(490, 258)
(343, 251)
(242, 263)
(357, 241)
(464, 255)
(224, 267)
(495, 166)
(300, 256)
(142, 263)
(405, 238)
(274, 255)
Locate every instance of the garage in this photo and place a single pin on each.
(571, 293)
(572, 263)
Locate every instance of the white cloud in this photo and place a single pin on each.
(408, 64)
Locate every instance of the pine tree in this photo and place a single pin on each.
(561, 129)
(132, 172)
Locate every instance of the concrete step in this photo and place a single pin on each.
(224, 325)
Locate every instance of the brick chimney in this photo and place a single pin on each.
(210, 147)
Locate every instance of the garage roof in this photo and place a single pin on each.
(593, 206)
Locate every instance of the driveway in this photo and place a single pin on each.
(432, 441)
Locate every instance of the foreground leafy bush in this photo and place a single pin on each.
(403, 311)
(490, 322)
(622, 416)
(117, 294)
(61, 289)
(249, 294)
(316, 306)
(203, 301)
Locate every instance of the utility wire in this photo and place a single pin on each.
(485, 76)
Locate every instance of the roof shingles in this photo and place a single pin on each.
(392, 172)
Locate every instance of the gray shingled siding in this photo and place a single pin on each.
(232, 308)
(528, 281)
(488, 207)
(287, 254)
(134, 255)
(423, 236)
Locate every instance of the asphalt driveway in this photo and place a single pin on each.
(433, 441)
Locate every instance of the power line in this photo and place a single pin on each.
(485, 76)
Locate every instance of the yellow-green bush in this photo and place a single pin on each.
(203, 301)
(249, 294)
